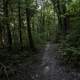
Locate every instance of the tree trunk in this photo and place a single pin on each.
(31, 43)
(6, 14)
(59, 15)
(1, 42)
(65, 20)
(20, 33)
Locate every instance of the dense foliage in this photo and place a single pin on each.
(25, 23)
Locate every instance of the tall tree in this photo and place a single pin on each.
(19, 16)
(7, 24)
(1, 41)
(29, 14)
(63, 18)
(1, 24)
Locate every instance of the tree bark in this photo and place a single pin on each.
(1, 42)
(31, 43)
(20, 33)
(7, 25)
(65, 20)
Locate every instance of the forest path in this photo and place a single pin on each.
(50, 68)
(42, 66)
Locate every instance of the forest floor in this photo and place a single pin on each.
(44, 65)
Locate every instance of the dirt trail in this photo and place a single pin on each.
(50, 69)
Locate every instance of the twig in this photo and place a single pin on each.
(5, 70)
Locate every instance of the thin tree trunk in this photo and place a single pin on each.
(20, 33)
(1, 42)
(59, 15)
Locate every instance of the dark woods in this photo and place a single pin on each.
(30, 23)
(15, 23)
(26, 26)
